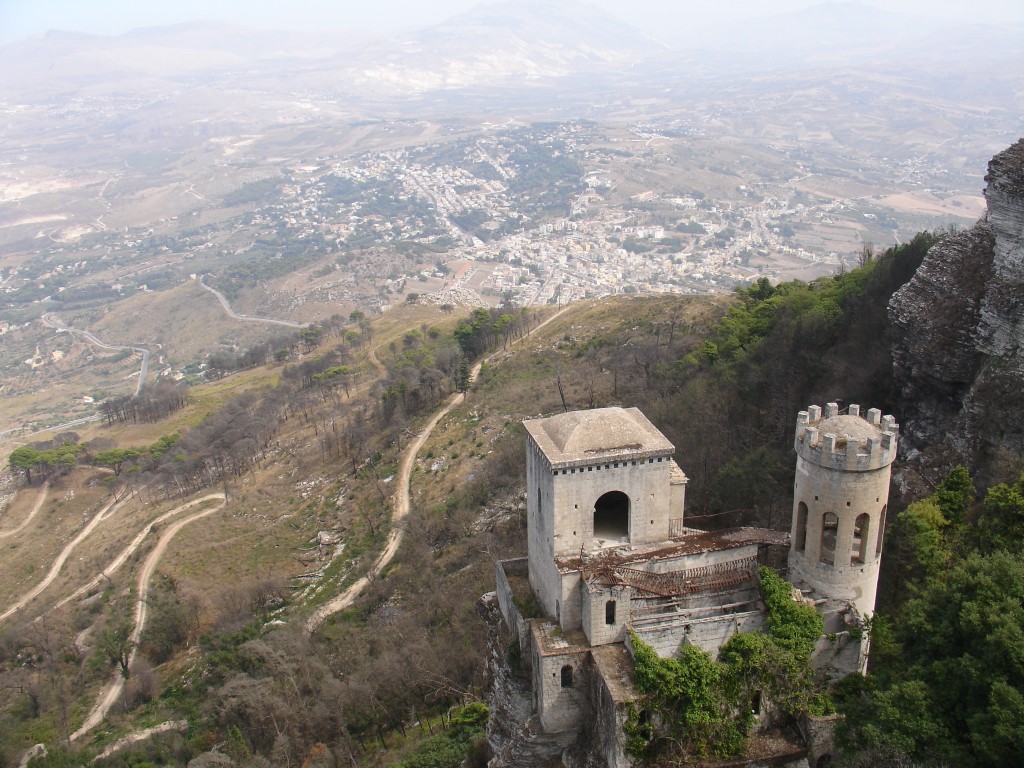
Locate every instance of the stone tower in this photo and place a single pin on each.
(839, 501)
(595, 479)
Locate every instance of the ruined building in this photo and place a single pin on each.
(609, 549)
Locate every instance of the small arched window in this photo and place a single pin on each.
(567, 676)
(609, 612)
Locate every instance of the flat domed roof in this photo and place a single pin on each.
(587, 435)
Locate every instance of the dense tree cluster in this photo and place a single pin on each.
(946, 683)
(487, 328)
(47, 459)
(155, 402)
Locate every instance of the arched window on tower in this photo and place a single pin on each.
(861, 537)
(881, 531)
(800, 534)
(611, 517)
(829, 530)
(567, 676)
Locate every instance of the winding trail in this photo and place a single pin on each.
(89, 336)
(403, 496)
(120, 560)
(35, 508)
(248, 318)
(116, 684)
(113, 505)
(342, 601)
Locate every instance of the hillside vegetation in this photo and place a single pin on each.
(308, 463)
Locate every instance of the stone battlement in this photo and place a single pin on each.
(846, 441)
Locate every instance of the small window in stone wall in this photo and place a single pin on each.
(609, 612)
(567, 676)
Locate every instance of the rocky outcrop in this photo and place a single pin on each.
(958, 327)
(514, 733)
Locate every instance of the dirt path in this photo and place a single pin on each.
(100, 516)
(116, 684)
(402, 498)
(118, 561)
(35, 508)
(375, 361)
(345, 599)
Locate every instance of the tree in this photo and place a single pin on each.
(115, 458)
(115, 643)
(918, 546)
(311, 336)
(25, 459)
(1002, 517)
(955, 494)
(462, 377)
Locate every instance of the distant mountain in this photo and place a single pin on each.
(534, 51)
(500, 44)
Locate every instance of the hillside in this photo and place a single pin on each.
(384, 657)
(308, 458)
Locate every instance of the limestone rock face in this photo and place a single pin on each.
(958, 327)
(513, 731)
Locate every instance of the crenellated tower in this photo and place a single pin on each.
(840, 498)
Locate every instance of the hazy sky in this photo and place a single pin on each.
(666, 18)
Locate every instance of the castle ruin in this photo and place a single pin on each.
(609, 550)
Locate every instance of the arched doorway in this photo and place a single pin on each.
(611, 517)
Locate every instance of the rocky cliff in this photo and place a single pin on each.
(958, 326)
(513, 731)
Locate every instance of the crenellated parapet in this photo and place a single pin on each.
(847, 441)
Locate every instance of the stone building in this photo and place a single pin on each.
(608, 549)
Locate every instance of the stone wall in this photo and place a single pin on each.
(709, 634)
(595, 613)
(560, 707)
(514, 732)
(838, 654)
(645, 482)
(506, 599)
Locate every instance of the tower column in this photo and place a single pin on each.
(843, 469)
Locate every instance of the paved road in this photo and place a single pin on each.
(89, 336)
(402, 500)
(250, 318)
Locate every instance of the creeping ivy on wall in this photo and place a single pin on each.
(696, 704)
